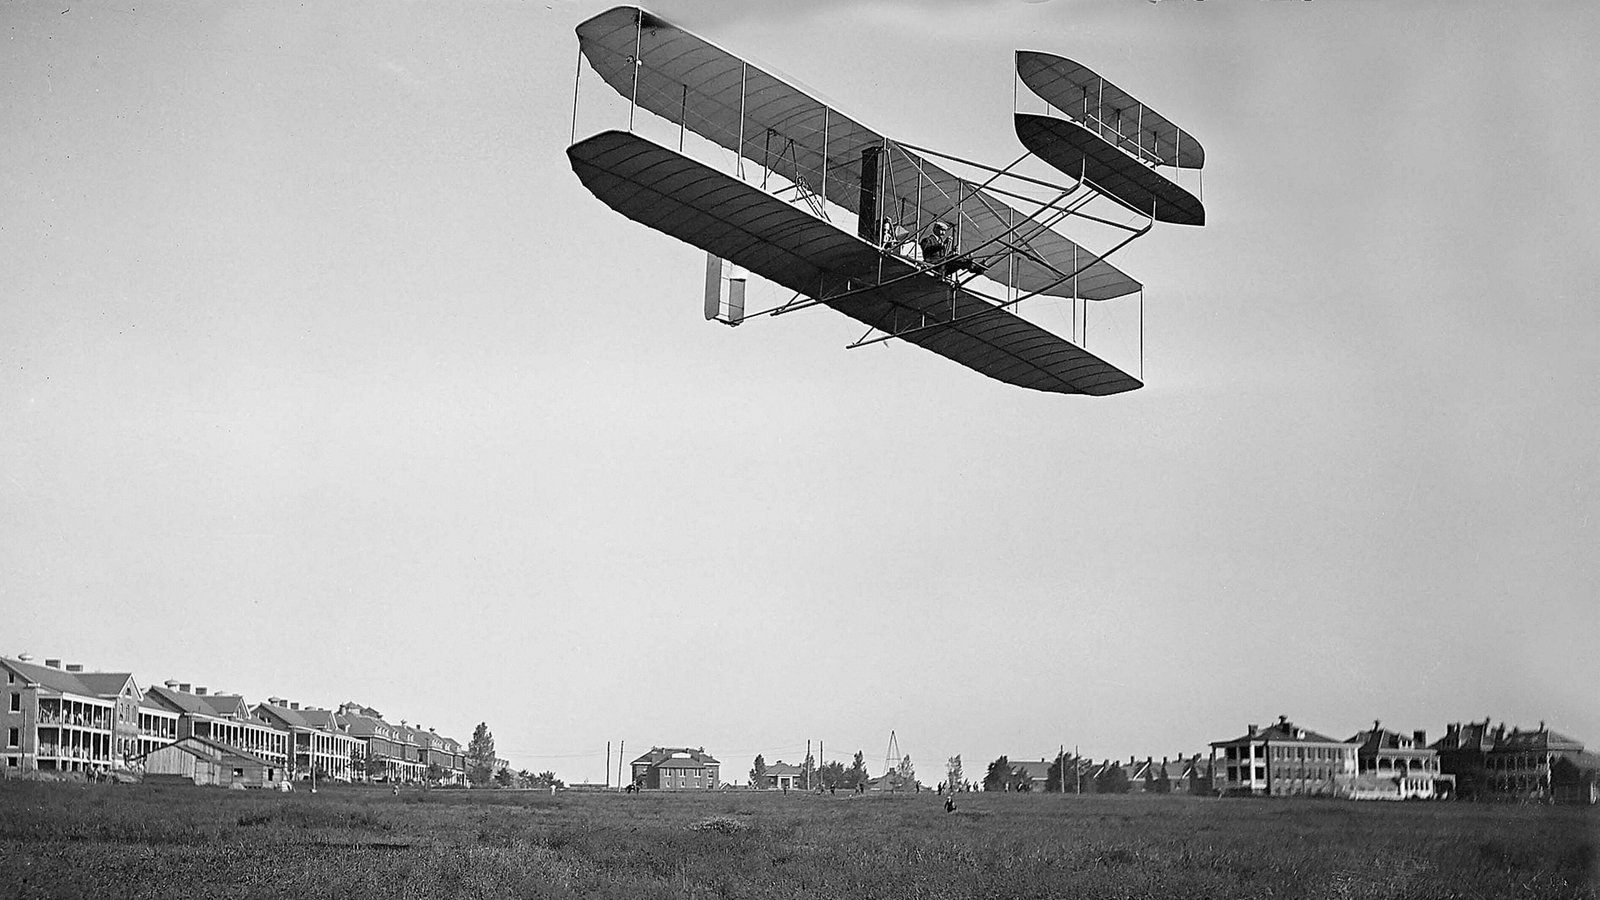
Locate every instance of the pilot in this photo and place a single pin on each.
(939, 249)
(938, 243)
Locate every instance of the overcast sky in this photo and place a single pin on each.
(321, 376)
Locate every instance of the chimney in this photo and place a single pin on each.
(1283, 721)
(171, 685)
(1419, 739)
(1251, 731)
(1375, 724)
(199, 691)
(74, 667)
(184, 687)
(52, 663)
(1130, 760)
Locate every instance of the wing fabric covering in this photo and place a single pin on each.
(741, 223)
(1076, 150)
(689, 81)
(1087, 98)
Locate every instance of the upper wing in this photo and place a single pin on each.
(736, 221)
(1111, 112)
(1076, 151)
(687, 80)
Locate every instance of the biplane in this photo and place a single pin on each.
(936, 260)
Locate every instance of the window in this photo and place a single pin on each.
(13, 737)
(16, 702)
(1261, 773)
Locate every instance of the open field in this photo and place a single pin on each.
(60, 840)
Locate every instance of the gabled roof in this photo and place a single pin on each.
(1037, 770)
(659, 756)
(1544, 739)
(180, 702)
(205, 748)
(783, 768)
(1282, 731)
(1375, 739)
(1468, 736)
(292, 718)
(53, 679)
(108, 684)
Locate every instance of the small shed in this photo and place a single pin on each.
(204, 761)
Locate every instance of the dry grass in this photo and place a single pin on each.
(138, 841)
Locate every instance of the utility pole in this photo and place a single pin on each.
(620, 748)
(608, 764)
(1077, 768)
(808, 765)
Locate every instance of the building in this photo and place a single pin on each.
(203, 761)
(54, 722)
(1030, 774)
(676, 769)
(317, 746)
(158, 726)
(1464, 754)
(1393, 766)
(1285, 760)
(781, 776)
(219, 717)
(391, 753)
(1524, 764)
(1494, 764)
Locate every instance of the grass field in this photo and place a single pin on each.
(59, 840)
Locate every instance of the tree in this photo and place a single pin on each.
(435, 773)
(999, 776)
(502, 778)
(758, 773)
(1052, 778)
(1111, 780)
(480, 756)
(374, 766)
(831, 775)
(547, 779)
(953, 773)
(857, 773)
(908, 775)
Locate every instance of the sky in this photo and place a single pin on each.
(323, 377)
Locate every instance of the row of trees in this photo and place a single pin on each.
(1111, 779)
(833, 775)
(483, 768)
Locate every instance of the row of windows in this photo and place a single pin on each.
(1309, 753)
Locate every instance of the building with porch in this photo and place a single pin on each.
(1285, 760)
(676, 769)
(54, 722)
(391, 753)
(220, 717)
(317, 746)
(1395, 766)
